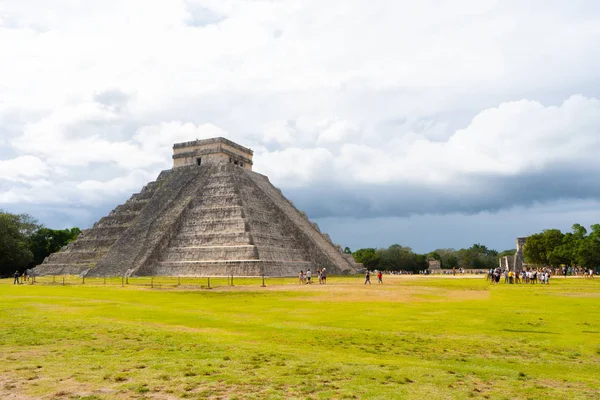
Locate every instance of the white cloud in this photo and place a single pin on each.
(96, 192)
(398, 95)
(23, 168)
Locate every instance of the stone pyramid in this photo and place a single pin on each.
(210, 215)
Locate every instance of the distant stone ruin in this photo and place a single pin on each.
(434, 265)
(210, 215)
(516, 262)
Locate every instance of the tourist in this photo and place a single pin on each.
(379, 277)
(301, 277)
(510, 277)
(324, 276)
(320, 276)
(367, 277)
(16, 281)
(308, 275)
(506, 276)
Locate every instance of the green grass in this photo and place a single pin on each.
(412, 338)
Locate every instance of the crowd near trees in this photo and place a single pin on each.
(24, 243)
(553, 248)
(400, 258)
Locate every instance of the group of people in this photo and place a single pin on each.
(23, 277)
(305, 278)
(368, 277)
(587, 273)
(529, 275)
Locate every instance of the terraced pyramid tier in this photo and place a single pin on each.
(202, 220)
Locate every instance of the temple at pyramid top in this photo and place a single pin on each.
(209, 215)
(211, 151)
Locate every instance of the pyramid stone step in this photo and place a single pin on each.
(218, 191)
(62, 268)
(209, 220)
(246, 252)
(76, 256)
(203, 213)
(225, 226)
(211, 239)
(142, 196)
(267, 239)
(281, 254)
(117, 219)
(223, 182)
(103, 232)
(211, 201)
(134, 206)
(92, 244)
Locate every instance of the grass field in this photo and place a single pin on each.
(412, 338)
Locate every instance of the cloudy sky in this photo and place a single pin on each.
(429, 124)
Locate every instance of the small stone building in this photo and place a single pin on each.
(434, 265)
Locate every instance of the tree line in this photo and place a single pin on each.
(554, 248)
(401, 258)
(24, 242)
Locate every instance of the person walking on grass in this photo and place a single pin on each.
(301, 277)
(308, 276)
(379, 277)
(324, 276)
(16, 281)
(367, 277)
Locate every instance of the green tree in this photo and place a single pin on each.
(46, 241)
(553, 239)
(398, 258)
(368, 257)
(587, 252)
(534, 251)
(15, 230)
(451, 262)
(347, 250)
(507, 253)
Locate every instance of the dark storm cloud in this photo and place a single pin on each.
(484, 193)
